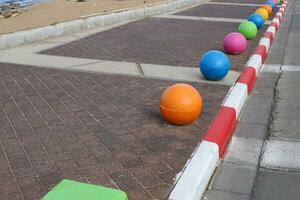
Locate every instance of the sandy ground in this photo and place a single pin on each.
(63, 10)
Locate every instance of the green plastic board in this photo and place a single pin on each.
(72, 190)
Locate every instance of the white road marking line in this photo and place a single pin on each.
(191, 74)
(275, 68)
(290, 68)
(211, 19)
(234, 4)
(185, 73)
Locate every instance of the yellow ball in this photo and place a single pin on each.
(268, 8)
(263, 12)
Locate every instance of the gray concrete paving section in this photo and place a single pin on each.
(92, 128)
(228, 11)
(279, 174)
(272, 185)
(286, 117)
(237, 174)
(292, 50)
(217, 195)
(157, 41)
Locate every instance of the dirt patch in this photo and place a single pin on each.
(62, 10)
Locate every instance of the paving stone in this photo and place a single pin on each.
(149, 41)
(101, 129)
(285, 122)
(244, 151)
(220, 195)
(276, 185)
(251, 130)
(235, 178)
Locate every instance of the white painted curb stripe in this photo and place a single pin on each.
(265, 42)
(276, 20)
(279, 14)
(255, 61)
(237, 97)
(271, 29)
(284, 6)
(195, 178)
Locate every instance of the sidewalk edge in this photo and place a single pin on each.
(222, 126)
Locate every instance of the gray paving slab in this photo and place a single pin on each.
(292, 53)
(184, 74)
(232, 177)
(217, 195)
(225, 11)
(286, 118)
(264, 86)
(271, 185)
(211, 19)
(93, 128)
(244, 151)
(276, 53)
(256, 113)
(251, 130)
(175, 42)
(258, 106)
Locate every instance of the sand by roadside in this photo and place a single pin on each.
(57, 11)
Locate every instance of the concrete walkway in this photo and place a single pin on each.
(279, 173)
(262, 162)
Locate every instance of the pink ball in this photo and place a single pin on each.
(235, 43)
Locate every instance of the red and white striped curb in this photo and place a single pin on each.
(193, 181)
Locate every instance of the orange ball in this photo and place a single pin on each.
(263, 12)
(268, 8)
(180, 104)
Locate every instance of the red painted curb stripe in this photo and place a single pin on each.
(269, 35)
(261, 50)
(275, 25)
(221, 128)
(248, 77)
(279, 18)
(281, 11)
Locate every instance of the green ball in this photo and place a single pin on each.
(279, 2)
(248, 29)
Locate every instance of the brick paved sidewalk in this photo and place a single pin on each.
(101, 129)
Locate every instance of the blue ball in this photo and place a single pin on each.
(272, 4)
(214, 65)
(257, 19)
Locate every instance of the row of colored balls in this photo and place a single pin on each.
(214, 65)
(181, 103)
